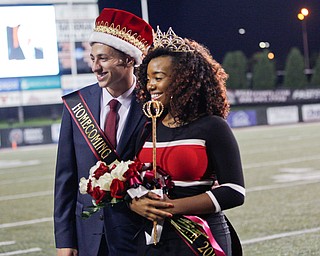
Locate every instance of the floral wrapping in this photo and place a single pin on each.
(108, 184)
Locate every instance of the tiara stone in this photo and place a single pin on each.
(170, 40)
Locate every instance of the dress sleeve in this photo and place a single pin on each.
(225, 161)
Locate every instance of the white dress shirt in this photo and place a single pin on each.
(123, 110)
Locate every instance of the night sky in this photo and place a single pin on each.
(216, 23)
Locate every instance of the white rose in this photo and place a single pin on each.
(121, 168)
(94, 182)
(105, 181)
(83, 184)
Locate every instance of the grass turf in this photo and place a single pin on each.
(281, 215)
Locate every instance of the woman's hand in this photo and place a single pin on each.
(152, 207)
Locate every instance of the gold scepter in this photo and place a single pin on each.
(153, 109)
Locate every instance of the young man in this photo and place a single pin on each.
(118, 42)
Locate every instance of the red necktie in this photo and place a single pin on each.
(110, 126)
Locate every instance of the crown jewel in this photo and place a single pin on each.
(170, 40)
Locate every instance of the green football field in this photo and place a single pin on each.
(281, 214)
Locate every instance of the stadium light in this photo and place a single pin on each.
(144, 9)
(304, 12)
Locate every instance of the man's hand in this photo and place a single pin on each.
(67, 252)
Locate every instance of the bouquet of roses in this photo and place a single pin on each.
(109, 184)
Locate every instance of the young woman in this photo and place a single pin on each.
(195, 145)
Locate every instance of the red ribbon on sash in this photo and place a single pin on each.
(196, 233)
(217, 249)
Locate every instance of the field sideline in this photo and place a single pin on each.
(281, 215)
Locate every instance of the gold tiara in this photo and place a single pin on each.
(170, 40)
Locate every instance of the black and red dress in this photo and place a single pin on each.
(195, 155)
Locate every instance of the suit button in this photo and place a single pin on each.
(101, 217)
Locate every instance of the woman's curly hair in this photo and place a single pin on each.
(198, 83)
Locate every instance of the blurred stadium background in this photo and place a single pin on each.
(31, 88)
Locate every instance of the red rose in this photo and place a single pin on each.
(133, 178)
(117, 188)
(136, 166)
(132, 175)
(97, 194)
(102, 169)
(89, 187)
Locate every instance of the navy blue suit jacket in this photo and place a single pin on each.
(74, 161)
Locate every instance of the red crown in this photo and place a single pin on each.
(124, 31)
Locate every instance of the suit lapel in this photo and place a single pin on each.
(93, 101)
(134, 118)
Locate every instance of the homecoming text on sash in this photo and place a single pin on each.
(89, 128)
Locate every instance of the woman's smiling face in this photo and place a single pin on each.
(159, 78)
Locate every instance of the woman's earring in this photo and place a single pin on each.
(171, 102)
